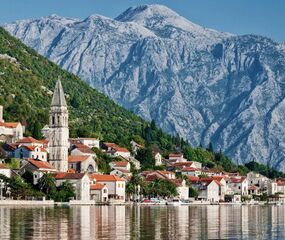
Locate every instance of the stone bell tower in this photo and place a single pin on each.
(58, 130)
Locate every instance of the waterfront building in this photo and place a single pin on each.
(99, 193)
(80, 181)
(116, 186)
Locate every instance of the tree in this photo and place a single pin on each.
(210, 147)
(65, 192)
(193, 193)
(47, 185)
(161, 188)
(19, 189)
(145, 156)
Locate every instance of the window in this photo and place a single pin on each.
(105, 191)
(53, 120)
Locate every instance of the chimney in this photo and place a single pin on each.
(1, 114)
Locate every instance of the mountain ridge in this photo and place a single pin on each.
(205, 85)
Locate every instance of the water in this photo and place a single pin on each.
(144, 222)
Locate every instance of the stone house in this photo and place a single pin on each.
(80, 181)
(121, 165)
(116, 186)
(36, 167)
(99, 193)
(82, 163)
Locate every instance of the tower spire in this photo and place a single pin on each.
(58, 99)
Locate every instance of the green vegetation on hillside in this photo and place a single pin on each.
(27, 80)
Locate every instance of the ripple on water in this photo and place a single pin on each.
(143, 222)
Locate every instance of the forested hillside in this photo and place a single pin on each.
(28, 79)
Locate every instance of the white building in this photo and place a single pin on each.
(273, 188)
(182, 189)
(30, 141)
(121, 172)
(89, 142)
(237, 185)
(10, 132)
(121, 165)
(135, 147)
(157, 159)
(38, 168)
(258, 180)
(5, 170)
(99, 193)
(176, 157)
(190, 171)
(80, 181)
(58, 130)
(210, 192)
(83, 163)
(34, 152)
(80, 150)
(116, 186)
(114, 150)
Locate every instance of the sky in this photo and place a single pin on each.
(263, 17)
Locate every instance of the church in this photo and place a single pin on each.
(58, 130)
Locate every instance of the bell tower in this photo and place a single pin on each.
(58, 130)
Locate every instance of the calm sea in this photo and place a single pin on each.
(143, 222)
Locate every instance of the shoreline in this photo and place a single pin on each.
(91, 203)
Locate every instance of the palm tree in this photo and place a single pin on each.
(46, 184)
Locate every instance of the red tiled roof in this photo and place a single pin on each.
(86, 150)
(280, 183)
(110, 145)
(120, 164)
(29, 140)
(218, 178)
(75, 158)
(9, 124)
(97, 186)
(175, 155)
(68, 175)
(182, 164)
(121, 149)
(237, 180)
(40, 164)
(32, 148)
(218, 183)
(193, 178)
(190, 169)
(3, 166)
(252, 187)
(105, 178)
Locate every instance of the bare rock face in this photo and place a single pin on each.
(203, 84)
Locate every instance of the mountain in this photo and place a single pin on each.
(206, 85)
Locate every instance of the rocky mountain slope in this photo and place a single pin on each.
(203, 84)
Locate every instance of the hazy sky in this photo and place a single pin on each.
(264, 17)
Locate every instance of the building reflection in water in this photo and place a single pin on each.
(143, 222)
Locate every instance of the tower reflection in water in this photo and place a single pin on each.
(143, 222)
